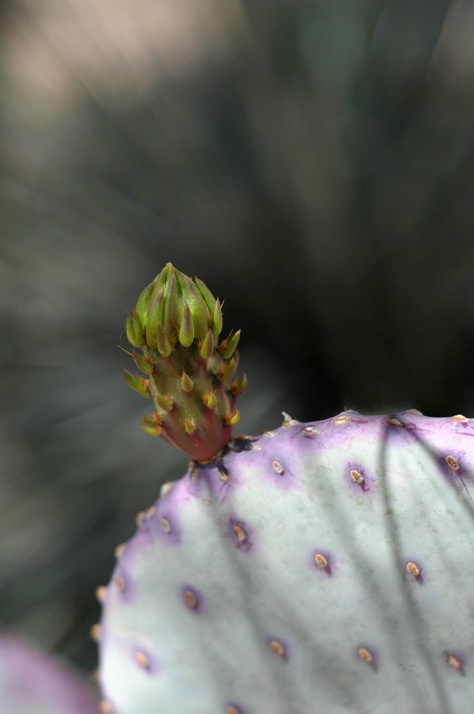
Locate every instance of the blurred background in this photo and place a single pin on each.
(311, 161)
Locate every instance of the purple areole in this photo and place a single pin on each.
(358, 477)
(192, 598)
(368, 655)
(278, 647)
(322, 561)
(144, 660)
(240, 534)
(413, 570)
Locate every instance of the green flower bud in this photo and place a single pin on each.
(176, 323)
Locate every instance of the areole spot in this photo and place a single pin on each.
(289, 421)
(150, 512)
(269, 433)
(342, 419)
(278, 467)
(120, 583)
(393, 421)
(142, 660)
(278, 648)
(190, 599)
(120, 550)
(194, 473)
(165, 524)
(223, 474)
(95, 632)
(413, 569)
(460, 418)
(105, 707)
(452, 462)
(453, 661)
(140, 518)
(311, 431)
(166, 488)
(366, 655)
(232, 709)
(100, 593)
(321, 561)
(357, 476)
(240, 533)
(455, 467)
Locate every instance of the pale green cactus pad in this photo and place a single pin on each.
(323, 567)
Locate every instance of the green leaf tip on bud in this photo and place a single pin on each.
(227, 347)
(134, 330)
(207, 346)
(165, 401)
(151, 430)
(227, 371)
(143, 302)
(210, 400)
(217, 319)
(173, 307)
(163, 344)
(191, 380)
(153, 318)
(151, 424)
(144, 364)
(139, 384)
(187, 383)
(233, 418)
(190, 426)
(152, 419)
(206, 294)
(186, 329)
(238, 386)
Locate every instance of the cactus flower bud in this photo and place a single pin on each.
(176, 324)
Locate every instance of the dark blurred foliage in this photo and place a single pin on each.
(312, 161)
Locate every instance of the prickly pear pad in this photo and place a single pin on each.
(320, 567)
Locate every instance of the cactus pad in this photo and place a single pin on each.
(323, 567)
